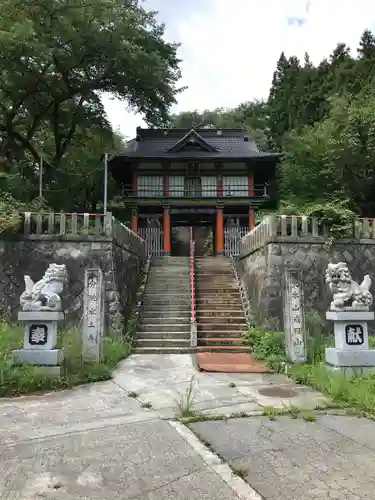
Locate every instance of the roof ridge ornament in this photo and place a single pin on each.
(192, 137)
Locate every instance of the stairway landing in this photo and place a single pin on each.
(227, 362)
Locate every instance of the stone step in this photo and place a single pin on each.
(169, 283)
(163, 350)
(220, 289)
(228, 303)
(219, 296)
(162, 342)
(169, 274)
(222, 331)
(167, 293)
(162, 335)
(223, 348)
(214, 284)
(171, 316)
(219, 312)
(168, 278)
(221, 341)
(164, 327)
(215, 327)
(238, 319)
(172, 304)
(178, 310)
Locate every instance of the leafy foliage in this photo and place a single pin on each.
(57, 59)
(16, 380)
(322, 118)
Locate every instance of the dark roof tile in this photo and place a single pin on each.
(228, 143)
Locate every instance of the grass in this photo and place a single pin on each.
(185, 402)
(356, 393)
(23, 379)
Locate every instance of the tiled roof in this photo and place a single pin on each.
(228, 143)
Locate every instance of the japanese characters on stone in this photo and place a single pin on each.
(294, 316)
(92, 307)
(296, 322)
(354, 334)
(38, 334)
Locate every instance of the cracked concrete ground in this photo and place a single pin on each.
(96, 442)
(285, 459)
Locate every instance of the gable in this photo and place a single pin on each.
(192, 141)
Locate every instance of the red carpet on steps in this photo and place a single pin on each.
(229, 363)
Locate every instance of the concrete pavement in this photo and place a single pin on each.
(97, 442)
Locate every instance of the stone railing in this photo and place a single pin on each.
(80, 227)
(295, 227)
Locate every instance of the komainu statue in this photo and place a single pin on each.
(347, 294)
(44, 295)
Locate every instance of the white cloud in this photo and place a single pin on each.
(229, 53)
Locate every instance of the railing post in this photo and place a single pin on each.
(193, 321)
(108, 224)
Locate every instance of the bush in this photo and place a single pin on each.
(356, 392)
(15, 380)
(267, 345)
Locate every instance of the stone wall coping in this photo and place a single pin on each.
(65, 237)
(292, 240)
(350, 315)
(41, 315)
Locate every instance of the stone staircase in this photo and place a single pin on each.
(220, 317)
(164, 325)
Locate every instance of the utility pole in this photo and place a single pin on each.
(105, 201)
(41, 174)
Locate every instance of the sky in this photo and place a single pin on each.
(230, 49)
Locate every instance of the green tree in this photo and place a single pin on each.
(335, 158)
(58, 56)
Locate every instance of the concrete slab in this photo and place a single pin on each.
(139, 460)
(29, 417)
(290, 459)
(284, 395)
(97, 442)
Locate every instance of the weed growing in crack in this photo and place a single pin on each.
(146, 404)
(308, 416)
(271, 412)
(239, 470)
(185, 403)
(293, 411)
(232, 385)
(132, 394)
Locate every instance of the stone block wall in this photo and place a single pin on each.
(262, 271)
(122, 267)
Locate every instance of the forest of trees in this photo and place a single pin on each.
(58, 57)
(322, 118)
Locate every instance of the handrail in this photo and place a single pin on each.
(299, 227)
(156, 190)
(193, 322)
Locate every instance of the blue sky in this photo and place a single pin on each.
(230, 49)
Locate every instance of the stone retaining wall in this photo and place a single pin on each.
(121, 265)
(262, 271)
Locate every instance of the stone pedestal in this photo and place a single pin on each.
(351, 354)
(40, 341)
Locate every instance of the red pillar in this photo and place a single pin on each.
(166, 185)
(134, 221)
(220, 232)
(219, 184)
(134, 184)
(167, 232)
(251, 210)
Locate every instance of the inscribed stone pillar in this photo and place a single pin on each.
(294, 320)
(93, 315)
